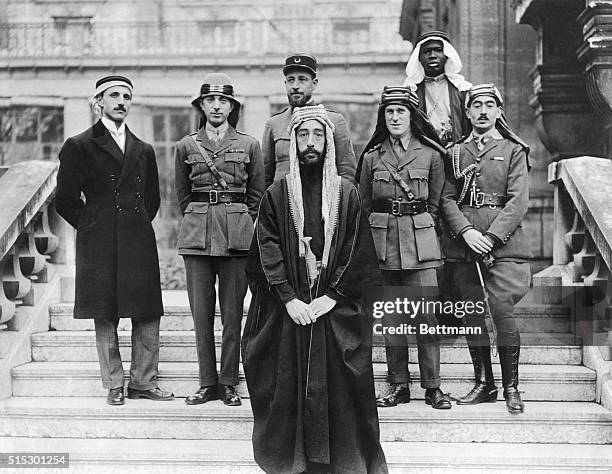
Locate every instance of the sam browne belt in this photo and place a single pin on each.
(399, 208)
(218, 197)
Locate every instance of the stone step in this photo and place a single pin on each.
(542, 422)
(160, 456)
(179, 346)
(538, 382)
(531, 317)
(182, 321)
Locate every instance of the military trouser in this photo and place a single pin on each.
(428, 346)
(506, 283)
(202, 272)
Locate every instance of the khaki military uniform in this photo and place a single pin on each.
(492, 198)
(214, 238)
(406, 244)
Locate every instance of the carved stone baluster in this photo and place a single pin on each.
(599, 279)
(574, 240)
(7, 307)
(15, 285)
(46, 241)
(584, 261)
(30, 261)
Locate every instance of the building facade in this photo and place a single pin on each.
(52, 52)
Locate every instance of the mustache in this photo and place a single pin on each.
(309, 152)
(483, 116)
(120, 107)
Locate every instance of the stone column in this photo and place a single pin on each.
(595, 53)
(77, 116)
(565, 119)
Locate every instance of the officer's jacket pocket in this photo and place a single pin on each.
(425, 238)
(418, 173)
(379, 222)
(192, 234)
(237, 157)
(239, 227)
(380, 185)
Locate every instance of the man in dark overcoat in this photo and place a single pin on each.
(485, 197)
(107, 188)
(301, 81)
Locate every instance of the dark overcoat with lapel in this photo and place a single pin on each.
(117, 269)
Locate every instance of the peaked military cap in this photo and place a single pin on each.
(301, 61)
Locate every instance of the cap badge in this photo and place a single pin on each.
(297, 60)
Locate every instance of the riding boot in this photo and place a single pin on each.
(484, 390)
(509, 358)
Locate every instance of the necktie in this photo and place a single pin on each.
(480, 142)
(215, 137)
(397, 146)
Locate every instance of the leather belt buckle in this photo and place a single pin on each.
(213, 196)
(396, 208)
(477, 199)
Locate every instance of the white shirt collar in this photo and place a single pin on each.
(220, 130)
(440, 78)
(111, 127)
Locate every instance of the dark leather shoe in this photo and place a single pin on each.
(437, 399)
(203, 395)
(513, 400)
(481, 393)
(398, 393)
(115, 396)
(228, 394)
(156, 394)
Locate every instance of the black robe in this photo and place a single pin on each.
(334, 427)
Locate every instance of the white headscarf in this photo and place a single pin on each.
(415, 72)
(330, 186)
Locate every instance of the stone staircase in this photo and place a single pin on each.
(58, 405)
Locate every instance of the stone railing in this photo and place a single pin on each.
(241, 37)
(582, 257)
(27, 241)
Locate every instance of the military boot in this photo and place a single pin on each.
(484, 391)
(509, 358)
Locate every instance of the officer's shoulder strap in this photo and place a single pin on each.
(374, 148)
(280, 112)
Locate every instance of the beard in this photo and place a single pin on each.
(298, 100)
(310, 157)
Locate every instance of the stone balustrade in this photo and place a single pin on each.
(241, 37)
(28, 240)
(582, 247)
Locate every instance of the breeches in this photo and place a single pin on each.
(506, 283)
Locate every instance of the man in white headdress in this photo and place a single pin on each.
(306, 347)
(433, 72)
